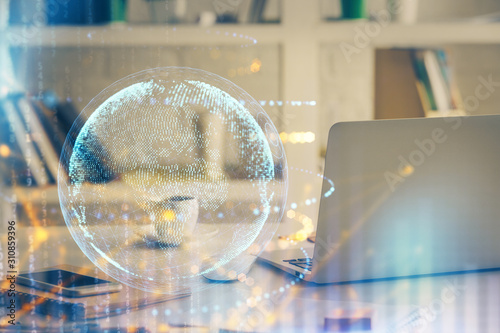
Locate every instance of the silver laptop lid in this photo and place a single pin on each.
(412, 196)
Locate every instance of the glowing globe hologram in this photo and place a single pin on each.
(172, 173)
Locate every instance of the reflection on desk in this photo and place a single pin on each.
(269, 300)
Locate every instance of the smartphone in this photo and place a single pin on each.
(67, 283)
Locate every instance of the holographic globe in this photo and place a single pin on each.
(171, 174)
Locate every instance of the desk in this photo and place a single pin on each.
(271, 300)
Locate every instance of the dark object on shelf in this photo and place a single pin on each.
(78, 12)
(271, 12)
(21, 12)
(256, 11)
(353, 9)
(118, 10)
(259, 11)
(227, 18)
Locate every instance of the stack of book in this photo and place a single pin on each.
(91, 12)
(259, 11)
(415, 83)
(32, 134)
(435, 85)
(67, 12)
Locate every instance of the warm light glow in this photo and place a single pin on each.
(255, 66)
(4, 150)
(297, 137)
(270, 319)
(163, 328)
(257, 291)
(301, 235)
(41, 235)
(309, 137)
(231, 274)
(407, 170)
(251, 302)
(169, 215)
(307, 227)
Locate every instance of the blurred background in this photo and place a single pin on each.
(309, 64)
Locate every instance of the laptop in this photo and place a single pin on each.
(402, 198)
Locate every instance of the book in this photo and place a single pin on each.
(438, 85)
(13, 168)
(50, 124)
(423, 79)
(118, 10)
(403, 86)
(39, 135)
(244, 11)
(271, 12)
(456, 98)
(78, 12)
(256, 11)
(65, 112)
(27, 148)
(64, 115)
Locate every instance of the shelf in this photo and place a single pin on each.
(446, 113)
(399, 35)
(393, 35)
(144, 35)
(238, 191)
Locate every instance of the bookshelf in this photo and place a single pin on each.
(115, 191)
(301, 38)
(417, 35)
(121, 34)
(411, 83)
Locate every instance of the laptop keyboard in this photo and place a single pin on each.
(304, 263)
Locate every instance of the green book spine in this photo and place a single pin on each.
(421, 73)
(118, 10)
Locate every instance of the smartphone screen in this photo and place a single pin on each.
(63, 278)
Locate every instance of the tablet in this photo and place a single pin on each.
(67, 283)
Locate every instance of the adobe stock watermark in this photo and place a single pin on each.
(417, 157)
(420, 319)
(365, 33)
(425, 148)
